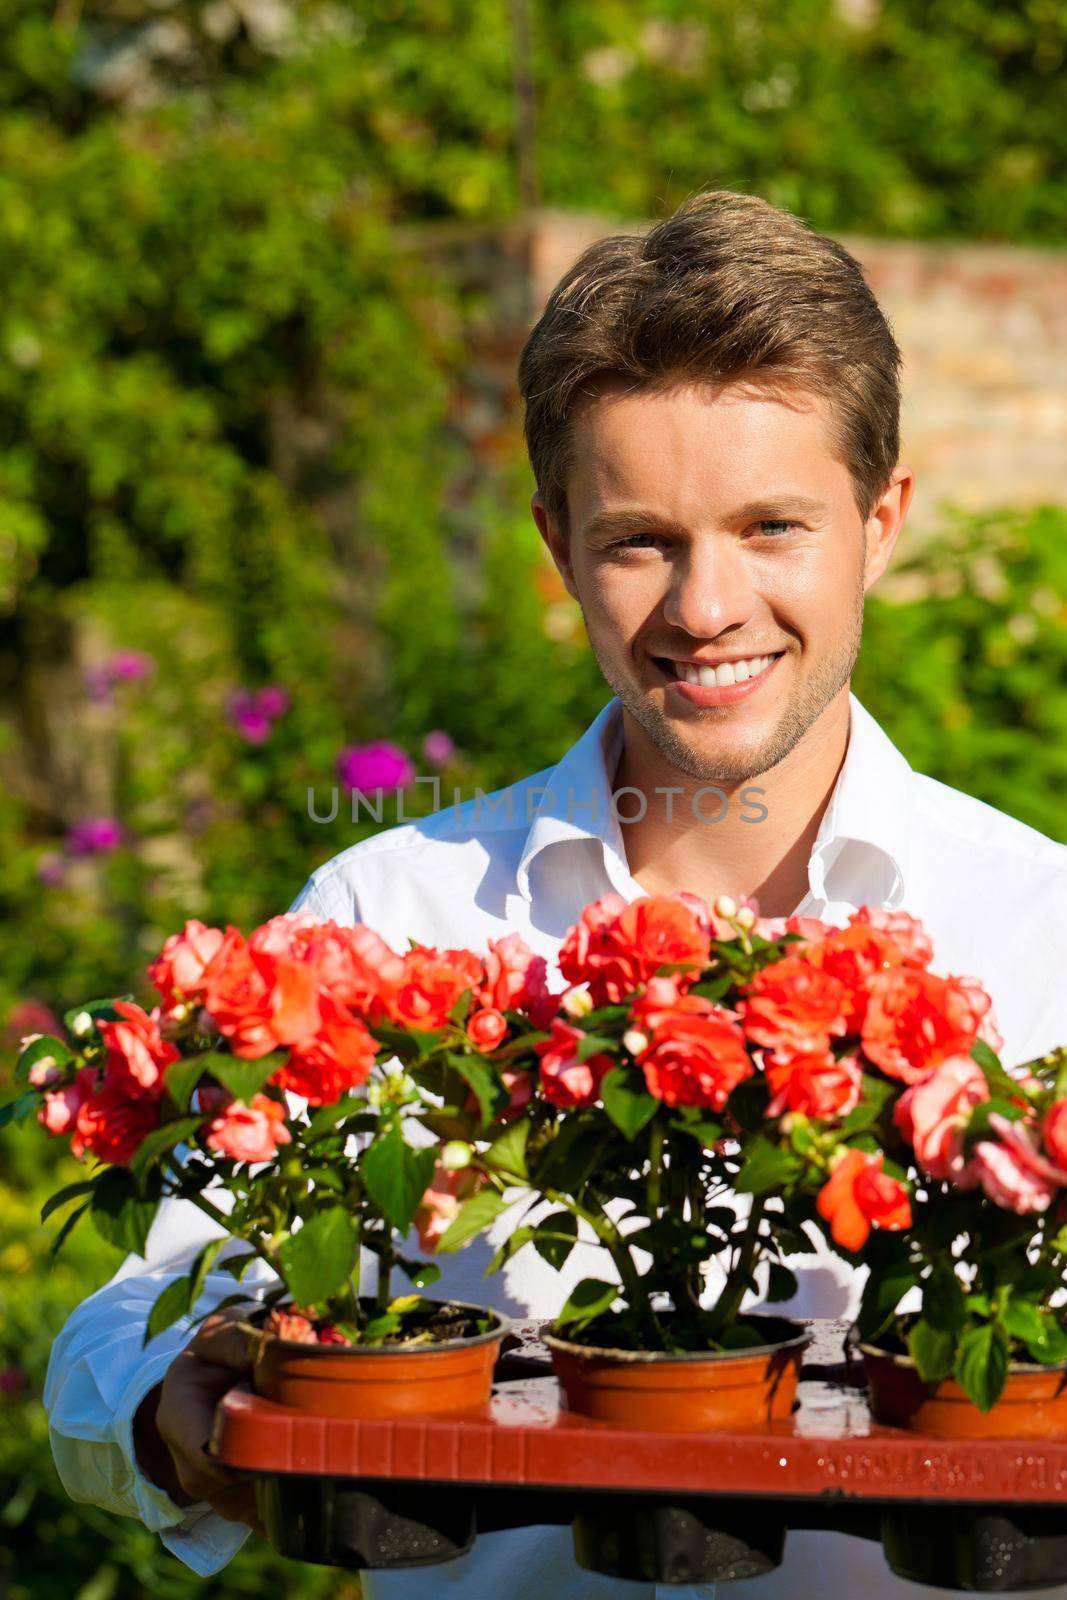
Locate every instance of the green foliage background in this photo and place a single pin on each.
(225, 441)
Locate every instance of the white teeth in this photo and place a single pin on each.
(720, 677)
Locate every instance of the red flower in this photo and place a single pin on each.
(441, 1202)
(486, 1028)
(932, 1116)
(907, 933)
(249, 1132)
(1054, 1130)
(854, 955)
(813, 1083)
(112, 1123)
(335, 1062)
(261, 997)
(615, 947)
(354, 965)
(566, 1081)
(794, 1006)
(516, 980)
(858, 1196)
(58, 1111)
(696, 1055)
(433, 981)
(178, 970)
(916, 1020)
(137, 1054)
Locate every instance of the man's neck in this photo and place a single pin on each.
(670, 848)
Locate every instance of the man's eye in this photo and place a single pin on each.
(635, 541)
(774, 524)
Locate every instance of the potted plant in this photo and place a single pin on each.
(654, 1107)
(317, 1096)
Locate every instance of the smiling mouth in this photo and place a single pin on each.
(720, 677)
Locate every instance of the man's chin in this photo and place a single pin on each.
(708, 745)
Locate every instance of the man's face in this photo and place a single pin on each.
(721, 564)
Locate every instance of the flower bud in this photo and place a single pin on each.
(635, 1041)
(456, 1155)
(726, 907)
(746, 918)
(82, 1026)
(577, 1002)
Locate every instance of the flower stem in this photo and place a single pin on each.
(729, 1302)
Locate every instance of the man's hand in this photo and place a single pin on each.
(173, 1422)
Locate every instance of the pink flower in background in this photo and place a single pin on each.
(124, 666)
(129, 666)
(30, 1017)
(274, 700)
(378, 765)
(51, 869)
(253, 712)
(94, 836)
(438, 747)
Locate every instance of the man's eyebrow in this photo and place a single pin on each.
(636, 519)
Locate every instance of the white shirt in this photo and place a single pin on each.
(992, 894)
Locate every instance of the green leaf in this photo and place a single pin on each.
(627, 1100)
(169, 1307)
(47, 1045)
(874, 1093)
(202, 1266)
(587, 1300)
(782, 1284)
(944, 1299)
(511, 1247)
(485, 1081)
(555, 1250)
(569, 1160)
(65, 1231)
(350, 1110)
(243, 1079)
(18, 1110)
(316, 1260)
(238, 1264)
(99, 1011)
(121, 1213)
(70, 1192)
(181, 1078)
(421, 1273)
(162, 1139)
(882, 1293)
(396, 1176)
(932, 1349)
(595, 1044)
(982, 1364)
(507, 1155)
(473, 1217)
(766, 1167)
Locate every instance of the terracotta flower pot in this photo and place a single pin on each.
(686, 1393)
(1032, 1406)
(379, 1382)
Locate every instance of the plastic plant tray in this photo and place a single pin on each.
(660, 1507)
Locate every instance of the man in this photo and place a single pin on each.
(712, 419)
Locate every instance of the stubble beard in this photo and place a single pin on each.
(726, 769)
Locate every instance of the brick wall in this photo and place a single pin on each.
(983, 330)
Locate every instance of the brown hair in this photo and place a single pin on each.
(726, 288)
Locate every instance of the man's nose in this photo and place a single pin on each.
(711, 589)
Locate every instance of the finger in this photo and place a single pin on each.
(222, 1343)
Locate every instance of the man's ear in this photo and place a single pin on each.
(556, 540)
(884, 524)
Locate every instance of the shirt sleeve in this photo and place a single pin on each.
(98, 1374)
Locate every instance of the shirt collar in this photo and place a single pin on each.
(861, 852)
